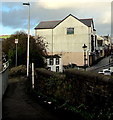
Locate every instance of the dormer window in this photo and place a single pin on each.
(70, 31)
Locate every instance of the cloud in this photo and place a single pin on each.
(15, 15)
(14, 18)
(106, 17)
(58, 4)
(103, 29)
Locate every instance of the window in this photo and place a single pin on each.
(92, 43)
(95, 40)
(51, 61)
(57, 61)
(57, 68)
(70, 31)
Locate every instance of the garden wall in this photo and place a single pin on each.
(3, 86)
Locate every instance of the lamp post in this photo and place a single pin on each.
(28, 4)
(16, 42)
(84, 48)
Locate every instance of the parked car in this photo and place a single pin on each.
(105, 72)
(101, 72)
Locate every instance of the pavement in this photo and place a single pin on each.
(18, 105)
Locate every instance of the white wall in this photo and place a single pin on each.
(47, 37)
(53, 67)
(72, 42)
(62, 41)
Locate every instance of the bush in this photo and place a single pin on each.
(75, 88)
(16, 71)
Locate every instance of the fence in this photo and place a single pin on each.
(3, 84)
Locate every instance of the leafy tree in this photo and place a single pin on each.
(37, 49)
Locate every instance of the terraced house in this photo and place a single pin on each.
(66, 38)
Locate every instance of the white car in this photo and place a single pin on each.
(105, 72)
(101, 72)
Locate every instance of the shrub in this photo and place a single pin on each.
(75, 88)
(19, 70)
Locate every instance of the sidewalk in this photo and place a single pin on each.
(17, 104)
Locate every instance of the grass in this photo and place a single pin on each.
(5, 36)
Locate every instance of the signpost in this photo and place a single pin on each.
(16, 42)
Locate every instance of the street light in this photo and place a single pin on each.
(28, 4)
(16, 42)
(84, 48)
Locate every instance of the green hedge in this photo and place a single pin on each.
(17, 71)
(75, 88)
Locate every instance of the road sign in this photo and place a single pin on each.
(16, 41)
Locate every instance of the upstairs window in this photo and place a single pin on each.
(70, 31)
(57, 61)
(51, 61)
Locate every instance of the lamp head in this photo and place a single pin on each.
(84, 47)
(26, 3)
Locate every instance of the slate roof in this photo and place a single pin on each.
(47, 24)
(53, 24)
(87, 21)
(53, 56)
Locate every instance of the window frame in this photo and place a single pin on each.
(57, 68)
(57, 61)
(70, 31)
(51, 61)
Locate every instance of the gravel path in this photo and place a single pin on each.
(17, 105)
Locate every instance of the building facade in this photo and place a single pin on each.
(66, 38)
(107, 45)
(100, 51)
(54, 63)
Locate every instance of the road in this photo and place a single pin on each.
(103, 64)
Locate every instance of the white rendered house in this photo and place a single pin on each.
(66, 38)
(54, 63)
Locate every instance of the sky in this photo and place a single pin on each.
(14, 16)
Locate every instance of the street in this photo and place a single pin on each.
(102, 64)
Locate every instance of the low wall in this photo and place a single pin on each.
(0, 96)
(3, 86)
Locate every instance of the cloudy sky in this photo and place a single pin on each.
(14, 16)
